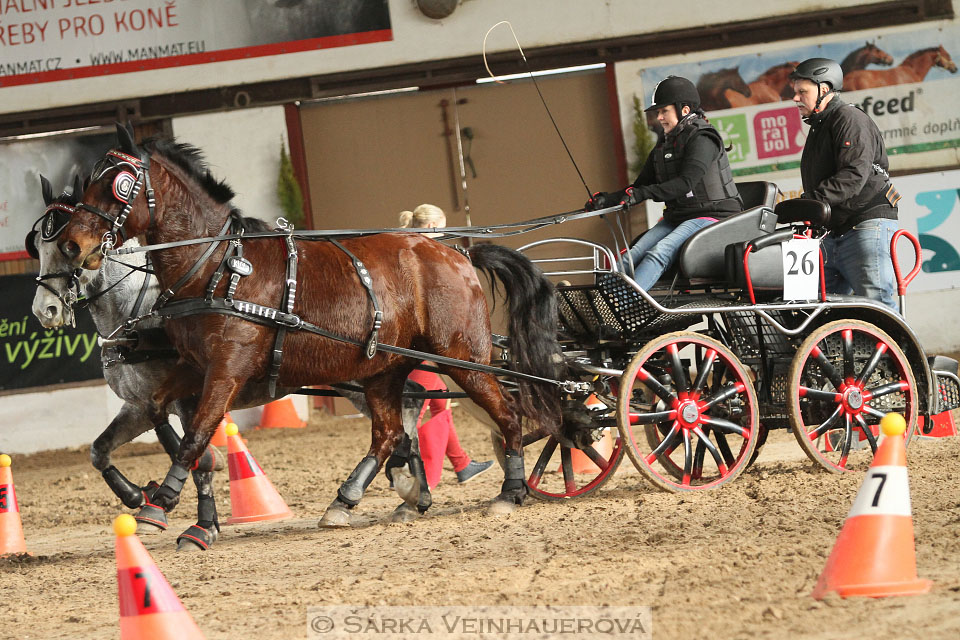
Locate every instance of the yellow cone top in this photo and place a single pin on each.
(893, 424)
(232, 429)
(4, 460)
(124, 525)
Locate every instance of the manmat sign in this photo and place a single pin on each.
(49, 40)
(905, 82)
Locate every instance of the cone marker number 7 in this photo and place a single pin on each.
(891, 497)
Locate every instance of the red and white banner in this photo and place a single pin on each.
(50, 40)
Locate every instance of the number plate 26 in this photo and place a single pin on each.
(801, 269)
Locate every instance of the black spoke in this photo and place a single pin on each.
(867, 432)
(724, 424)
(846, 338)
(680, 378)
(706, 444)
(541, 464)
(724, 447)
(653, 418)
(847, 439)
(872, 363)
(566, 463)
(705, 366)
(725, 394)
(819, 394)
(828, 423)
(698, 454)
(535, 434)
(687, 457)
(820, 359)
(654, 385)
(665, 443)
(595, 457)
(890, 387)
(873, 412)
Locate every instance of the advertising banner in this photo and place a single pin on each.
(50, 40)
(906, 82)
(59, 159)
(35, 357)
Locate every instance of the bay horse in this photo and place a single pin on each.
(914, 68)
(863, 57)
(430, 300)
(770, 86)
(721, 89)
(134, 371)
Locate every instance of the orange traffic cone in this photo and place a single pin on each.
(219, 438)
(149, 609)
(252, 496)
(874, 554)
(280, 414)
(11, 529)
(604, 446)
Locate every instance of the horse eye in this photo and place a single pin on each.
(70, 249)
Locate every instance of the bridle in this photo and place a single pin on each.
(52, 223)
(133, 174)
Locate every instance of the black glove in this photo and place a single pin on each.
(631, 197)
(603, 199)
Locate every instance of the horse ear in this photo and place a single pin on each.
(77, 187)
(47, 190)
(125, 136)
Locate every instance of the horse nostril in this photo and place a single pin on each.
(70, 249)
(52, 311)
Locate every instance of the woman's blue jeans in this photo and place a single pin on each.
(658, 248)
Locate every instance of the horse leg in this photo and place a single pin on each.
(129, 422)
(219, 390)
(484, 389)
(412, 486)
(383, 394)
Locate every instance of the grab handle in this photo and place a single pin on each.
(902, 281)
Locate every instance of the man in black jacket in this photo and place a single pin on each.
(845, 164)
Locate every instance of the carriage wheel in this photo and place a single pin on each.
(696, 407)
(847, 375)
(558, 472)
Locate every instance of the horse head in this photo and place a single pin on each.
(944, 60)
(114, 205)
(873, 54)
(712, 86)
(58, 284)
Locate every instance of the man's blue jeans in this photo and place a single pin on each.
(658, 248)
(859, 262)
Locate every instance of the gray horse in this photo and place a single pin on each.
(136, 366)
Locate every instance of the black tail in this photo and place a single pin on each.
(533, 327)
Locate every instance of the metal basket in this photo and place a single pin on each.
(948, 386)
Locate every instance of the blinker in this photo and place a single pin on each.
(123, 186)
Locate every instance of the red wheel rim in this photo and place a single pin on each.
(701, 422)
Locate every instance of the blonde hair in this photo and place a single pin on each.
(424, 216)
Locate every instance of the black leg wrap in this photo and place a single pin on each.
(129, 493)
(205, 532)
(168, 494)
(514, 482)
(153, 515)
(416, 468)
(168, 438)
(352, 490)
(207, 462)
(398, 458)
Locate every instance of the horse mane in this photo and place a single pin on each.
(249, 223)
(190, 159)
(920, 52)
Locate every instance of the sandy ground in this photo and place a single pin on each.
(736, 562)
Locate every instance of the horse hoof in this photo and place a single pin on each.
(336, 516)
(501, 507)
(153, 517)
(196, 538)
(406, 512)
(407, 486)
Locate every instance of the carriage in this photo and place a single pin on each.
(687, 378)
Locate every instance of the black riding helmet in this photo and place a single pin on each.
(820, 71)
(676, 91)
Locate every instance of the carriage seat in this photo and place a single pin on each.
(766, 263)
(702, 255)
